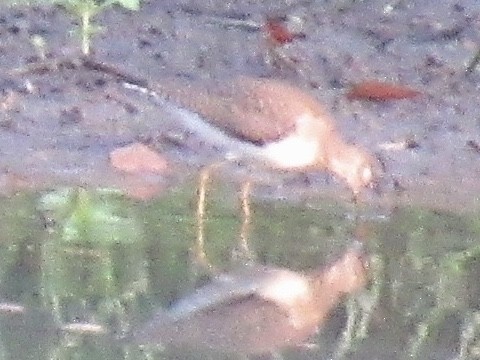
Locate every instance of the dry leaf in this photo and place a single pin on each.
(380, 91)
(138, 158)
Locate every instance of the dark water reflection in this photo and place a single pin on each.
(79, 269)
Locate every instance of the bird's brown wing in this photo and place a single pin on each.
(256, 110)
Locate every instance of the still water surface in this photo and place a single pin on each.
(81, 269)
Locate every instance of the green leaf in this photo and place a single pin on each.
(99, 217)
(133, 5)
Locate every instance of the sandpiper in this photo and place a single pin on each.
(267, 121)
(278, 124)
(256, 309)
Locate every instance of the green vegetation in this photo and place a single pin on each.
(84, 12)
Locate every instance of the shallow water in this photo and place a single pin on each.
(80, 269)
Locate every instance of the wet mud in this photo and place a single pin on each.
(61, 116)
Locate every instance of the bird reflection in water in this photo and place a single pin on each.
(257, 309)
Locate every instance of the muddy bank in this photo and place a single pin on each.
(59, 126)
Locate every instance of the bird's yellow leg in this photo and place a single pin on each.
(200, 257)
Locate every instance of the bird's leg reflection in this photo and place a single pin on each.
(245, 250)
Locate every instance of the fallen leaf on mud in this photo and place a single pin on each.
(380, 91)
(138, 158)
(277, 32)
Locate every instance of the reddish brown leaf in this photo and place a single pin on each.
(380, 91)
(277, 32)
